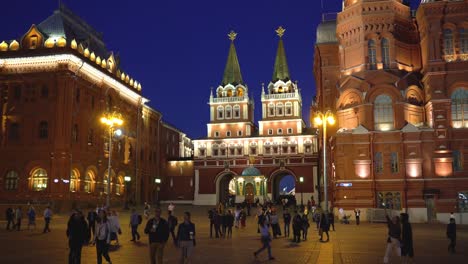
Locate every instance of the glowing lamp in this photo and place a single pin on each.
(127, 178)
(318, 121)
(301, 179)
(331, 120)
(157, 180)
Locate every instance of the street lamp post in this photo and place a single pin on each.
(111, 121)
(127, 180)
(301, 180)
(322, 119)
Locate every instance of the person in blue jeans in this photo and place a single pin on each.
(134, 222)
(266, 240)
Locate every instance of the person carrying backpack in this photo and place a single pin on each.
(172, 221)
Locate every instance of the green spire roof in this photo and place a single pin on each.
(232, 73)
(281, 71)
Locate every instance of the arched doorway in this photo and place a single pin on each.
(226, 191)
(283, 186)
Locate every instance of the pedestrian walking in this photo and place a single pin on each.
(297, 226)
(135, 221)
(305, 226)
(47, 218)
(274, 224)
(407, 251)
(77, 231)
(260, 216)
(10, 216)
(157, 230)
(265, 239)
(114, 224)
(331, 219)
(237, 217)
(357, 214)
(452, 235)
(287, 222)
(146, 210)
(18, 218)
(211, 217)
(243, 218)
(172, 222)
(92, 217)
(31, 217)
(230, 223)
(324, 227)
(102, 237)
(186, 239)
(394, 237)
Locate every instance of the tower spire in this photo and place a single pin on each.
(281, 70)
(232, 73)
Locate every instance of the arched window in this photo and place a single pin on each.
(109, 103)
(279, 109)
(383, 113)
(385, 53)
(43, 130)
(119, 187)
(240, 92)
(228, 114)
(11, 180)
(372, 54)
(448, 45)
(271, 109)
(236, 111)
(74, 180)
(229, 93)
(220, 112)
(89, 182)
(105, 182)
(460, 108)
(464, 43)
(288, 108)
(39, 179)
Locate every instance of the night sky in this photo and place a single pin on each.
(178, 49)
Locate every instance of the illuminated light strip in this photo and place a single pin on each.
(24, 64)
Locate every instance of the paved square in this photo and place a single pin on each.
(349, 244)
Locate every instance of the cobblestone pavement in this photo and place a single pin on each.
(349, 244)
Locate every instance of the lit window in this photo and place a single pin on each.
(460, 108)
(74, 181)
(372, 55)
(383, 113)
(389, 200)
(236, 111)
(288, 109)
(448, 42)
(39, 179)
(220, 112)
(89, 182)
(385, 53)
(378, 162)
(43, 130)
(11, 181)
(394, 162)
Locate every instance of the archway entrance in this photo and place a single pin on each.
(226, 189)
(284, 187)
(249, 193)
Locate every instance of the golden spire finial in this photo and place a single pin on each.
(280, 31)
(232, 35)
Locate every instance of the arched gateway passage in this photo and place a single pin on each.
(283, 185)
(226, 188)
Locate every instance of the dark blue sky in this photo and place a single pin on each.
(178, 49)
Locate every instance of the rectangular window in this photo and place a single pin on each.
(389, 199)
(457, 160)
(13, 133)
(394, 162)
(285, 150)
(202, 152)
(378, 162)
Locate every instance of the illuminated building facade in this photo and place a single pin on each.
(56, 82)
(238, 160)
(396, 82)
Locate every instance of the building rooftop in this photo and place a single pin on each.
(326, 32)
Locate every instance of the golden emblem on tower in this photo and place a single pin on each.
(280, 31)
(232, 35)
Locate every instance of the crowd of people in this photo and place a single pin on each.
(14, 218)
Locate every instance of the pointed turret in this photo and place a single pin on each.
(232, 73)
(281, 70)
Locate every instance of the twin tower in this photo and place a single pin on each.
(232, 111)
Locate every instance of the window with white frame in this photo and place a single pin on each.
(215, 150)
(448, 43)
(236, 111)
(385, 53)
(74, 180)
(372, 54)
(280, 131)
(11, 180)
(216, 133)
(290, 131)
(39, 179)
(460, 108)
(239, 133)
(271, 109)
(89, 182)
(228, 114)
(220, 112)
(270, 131)
(279, 109)
(288, 109)
(228, 133)
(383, 113)
(239, 150)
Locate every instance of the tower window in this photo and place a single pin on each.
(279, 109)
(460, 108)
(448, 42)
(372, 55)
(43, 130)
(383, 113)
(270, 131)
(216, 134)
(288, 109)
(236, 111)
(385, 53)
(220, 112)
(228, 133)
(290, 130)
(271, 110)
(239, 133)
(228, 112)
(280, 131)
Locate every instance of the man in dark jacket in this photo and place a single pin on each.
(92, 216)
(331, 220)
(9, 217)
(452, 235)
(211, 216)
(287, 222)
(77, 236)
(172, 221)
(324, 227)
(407, 251)
(297, 227)
(157, 229)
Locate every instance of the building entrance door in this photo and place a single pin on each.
(249, 193)
(431, 210)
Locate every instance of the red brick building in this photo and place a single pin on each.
(56, 82)
(238, 160)
(396, 81)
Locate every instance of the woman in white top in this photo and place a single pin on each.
(114, 224)
(102, 237)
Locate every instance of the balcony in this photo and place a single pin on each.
(229, 99)
(280, 96)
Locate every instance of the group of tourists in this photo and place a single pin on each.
(222, 221)
(14, 218)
